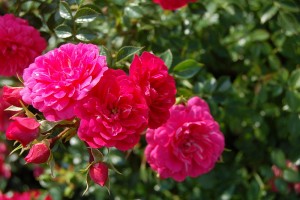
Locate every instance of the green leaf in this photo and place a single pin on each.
(64, 10)
(134, 12)
(291, 176)
(268, 14)
(167, 58)
(287, 5)
(259, 35)
(126, 52)
(278, 158)
(85, 35)
(105, 52)
(85, 14)
(289, 23)
(63, 31)
(224, 84)
(294, 80)
(293, 100)
(187, 69)
(46, 126)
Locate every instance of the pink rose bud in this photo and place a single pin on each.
(22, 129)
(99, 173)
(12, 95)
(39, 153)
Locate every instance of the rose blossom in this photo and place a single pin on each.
(99, 173)
(172, 4)
(28, 195)
(151, 74)
(114, 114)
(23, 129)
(20, 43)
(38, 153)
(188, 144)
(61, 77)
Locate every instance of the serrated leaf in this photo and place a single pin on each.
(46, 126)
(64, 10)
(84, 15)
(167, 57)
(85, 35)
(187, 69)
(63, 31)
(126, 52)
(133, 12)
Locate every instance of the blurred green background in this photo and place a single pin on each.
(241, 56)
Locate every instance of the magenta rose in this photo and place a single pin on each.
(172, 4)
(151, 74)
(113, 114)
(38, 153)
(57, 80)
(188, 144)
(20, 44)
(99, 173)
(23, 129)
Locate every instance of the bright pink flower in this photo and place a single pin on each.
(23, 129)
(172, 4)
(57, 80)
(4, 115)
(151, 74)
(12, 95)
(188, 144)
(99, 173)
(38, 153)
(114, 114)
(20, 44)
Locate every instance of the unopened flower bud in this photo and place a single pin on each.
(39, 153)
(23, 129)
(99, 173)
(12, 95)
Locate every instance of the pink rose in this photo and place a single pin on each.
(22, 129)
(297, 188)
(151, 74)
(57, 80)
(20, 44)
(38, 153)
(172, 4)
(28, 195)
(99, 173)
(12, 95)
(114, 114)
(188, 144)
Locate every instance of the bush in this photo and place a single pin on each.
(241, 56)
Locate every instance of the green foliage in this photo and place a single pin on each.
(241, 56)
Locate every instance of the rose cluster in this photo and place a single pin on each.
(29, 195)
(73, 86)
